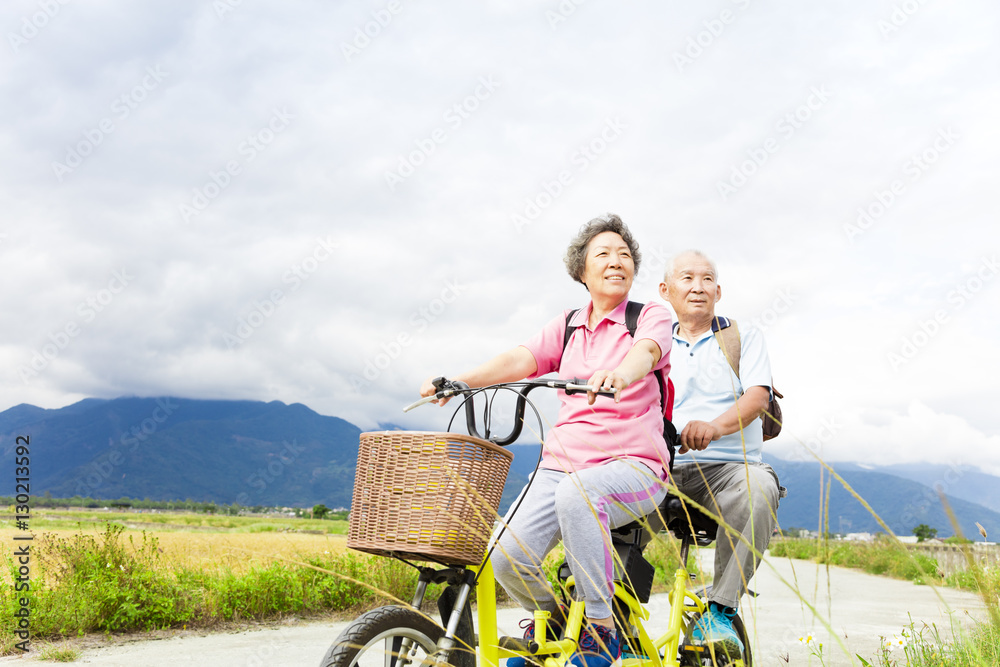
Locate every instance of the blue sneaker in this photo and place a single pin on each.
(599, 647)
(715, 628)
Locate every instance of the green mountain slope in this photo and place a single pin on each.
(248, 452)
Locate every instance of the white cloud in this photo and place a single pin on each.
(853, 300)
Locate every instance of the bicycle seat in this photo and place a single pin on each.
(673, 516)
(688, 521)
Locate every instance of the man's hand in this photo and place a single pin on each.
(697, 435)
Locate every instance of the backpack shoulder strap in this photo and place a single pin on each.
(632, 312)
(569, 329)
(727, 333)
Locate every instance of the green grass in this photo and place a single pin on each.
(924, 647)
(73, 519)
(882, 557)
(56, 654)
(116, 583)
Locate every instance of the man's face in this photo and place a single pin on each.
(692, 289)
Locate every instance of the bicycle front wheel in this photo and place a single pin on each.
(385, 637)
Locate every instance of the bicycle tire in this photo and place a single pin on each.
(741, 632)
(366, 641)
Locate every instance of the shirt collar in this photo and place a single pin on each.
(705, 334)
(582, 316)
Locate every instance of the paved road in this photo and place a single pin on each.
(858, 607)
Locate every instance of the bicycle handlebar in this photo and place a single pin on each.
(447, 388)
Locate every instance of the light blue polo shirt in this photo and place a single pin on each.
(706, 386)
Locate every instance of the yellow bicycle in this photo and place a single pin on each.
(405, 636)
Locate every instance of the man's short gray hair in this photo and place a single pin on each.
(576, 254)
(672, 264)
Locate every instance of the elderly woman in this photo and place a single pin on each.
(605, 462)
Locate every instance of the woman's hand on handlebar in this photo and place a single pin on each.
(607, 380)
(428, 388)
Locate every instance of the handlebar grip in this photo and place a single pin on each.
(580, 386)
(444, 387)
(422, 401)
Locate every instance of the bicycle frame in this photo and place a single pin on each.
(662, 651)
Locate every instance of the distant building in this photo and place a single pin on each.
(859, 537)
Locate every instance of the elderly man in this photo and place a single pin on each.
(718, 417)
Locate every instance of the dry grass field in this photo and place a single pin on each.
(213, 550)
(194, 541)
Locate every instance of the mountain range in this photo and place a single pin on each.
(273, 454)
(244, 452)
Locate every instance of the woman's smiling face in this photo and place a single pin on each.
(609, 268)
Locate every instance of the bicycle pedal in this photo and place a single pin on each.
(694, 653)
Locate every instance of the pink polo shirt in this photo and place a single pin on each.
(589, 435)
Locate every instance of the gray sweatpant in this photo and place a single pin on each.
(579, 508)
(722, 488)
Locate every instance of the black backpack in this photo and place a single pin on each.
(632, 311)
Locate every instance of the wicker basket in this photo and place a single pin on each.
(426, 496)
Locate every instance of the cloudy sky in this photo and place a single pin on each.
(325, 202)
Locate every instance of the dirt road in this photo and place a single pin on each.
(859, 608)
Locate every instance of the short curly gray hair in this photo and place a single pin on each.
(576, 254)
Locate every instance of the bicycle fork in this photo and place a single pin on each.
(452, 606)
